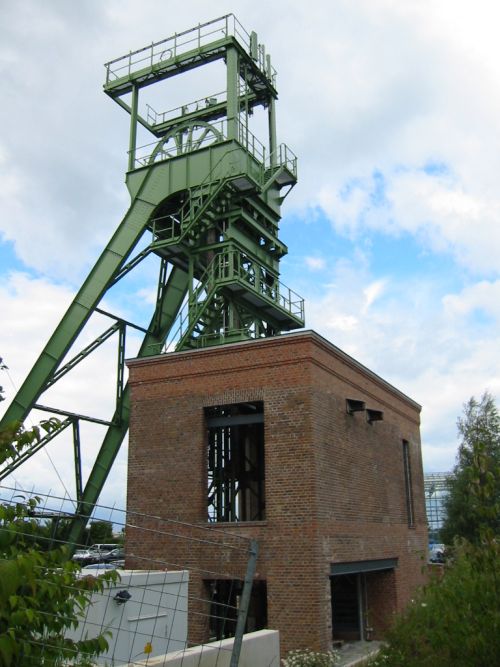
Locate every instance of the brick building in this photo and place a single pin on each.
(293, 442)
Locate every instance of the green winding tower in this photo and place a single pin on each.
(205, 199)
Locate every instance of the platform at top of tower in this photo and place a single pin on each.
(186, 50)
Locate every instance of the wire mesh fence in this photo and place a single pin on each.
(173, 585)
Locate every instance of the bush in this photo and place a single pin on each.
(41, 594)
(455, 620)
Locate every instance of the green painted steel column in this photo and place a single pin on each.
(133, 128)
(273, 144)
(232, 92)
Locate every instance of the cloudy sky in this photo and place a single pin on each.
(393, 108)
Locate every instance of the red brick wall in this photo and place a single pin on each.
(334, 483)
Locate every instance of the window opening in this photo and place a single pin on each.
(236, 462)
(408, 484)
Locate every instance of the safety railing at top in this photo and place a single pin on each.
(190, 40)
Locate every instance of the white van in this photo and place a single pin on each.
(104, 547)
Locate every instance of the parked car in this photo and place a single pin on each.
(113, 555)
(83, 556)
(104, 547)
(95, 569)
(436, 553)
(95, 553)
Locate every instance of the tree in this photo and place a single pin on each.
(478, 464)
(41, 595)
(101, 532)
(454, 621)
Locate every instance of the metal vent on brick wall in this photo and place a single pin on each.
(353, 405)
(374, 415)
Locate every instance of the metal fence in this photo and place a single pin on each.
(178, 585)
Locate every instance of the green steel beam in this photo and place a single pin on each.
(133, 127)
(126, 268)
(165, 314)
(77, 459)
(72, 415)
(121, 245)
(232, 92)
(61, 372)
(273, 144)
(120, 369)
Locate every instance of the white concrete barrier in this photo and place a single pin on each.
(259, 649)
(153, 615)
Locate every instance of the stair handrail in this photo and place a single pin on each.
(183, 212)
(187, 308)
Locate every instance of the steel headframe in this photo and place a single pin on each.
(206, 195)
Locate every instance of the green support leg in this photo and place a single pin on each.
(165, 314)
(121, 245)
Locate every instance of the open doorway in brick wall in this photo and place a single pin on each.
(225, 597)
(363, 598)
(347, 607)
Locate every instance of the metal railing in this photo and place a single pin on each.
(249, 141)
(159, 117)
(283, 156)
(181, 43)
(172, 147)
(233, 264)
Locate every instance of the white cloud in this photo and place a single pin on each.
(482, 296)
(372, 292)
(315, 263)
(31, 309)
(341, 322)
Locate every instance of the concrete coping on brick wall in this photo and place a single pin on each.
(279, 340)
(258, 649)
